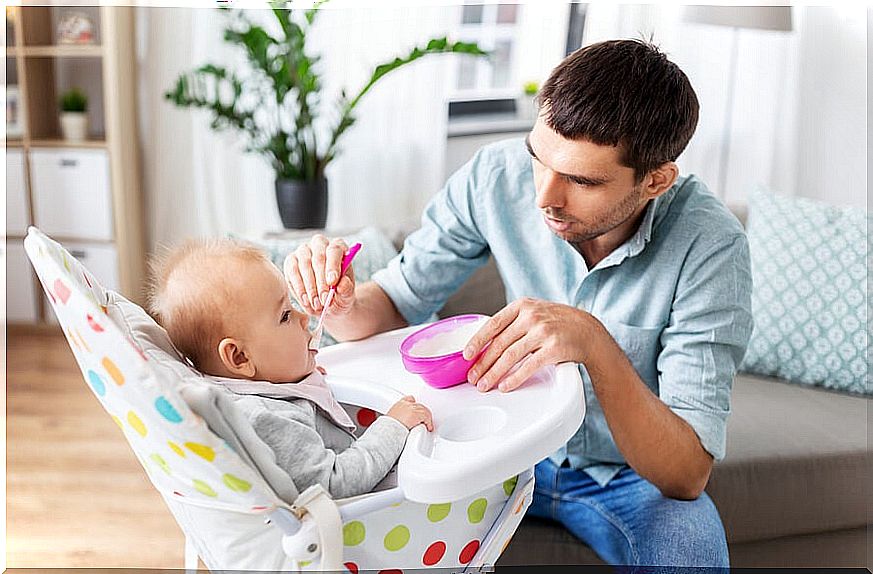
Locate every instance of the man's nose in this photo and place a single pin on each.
(550, 192)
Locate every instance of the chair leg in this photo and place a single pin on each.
(190, 556)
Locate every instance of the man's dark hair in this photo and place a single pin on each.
(623, 93)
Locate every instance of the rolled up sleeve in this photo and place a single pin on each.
(439, 257)
(706, 338)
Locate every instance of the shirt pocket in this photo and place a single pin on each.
(642, 345)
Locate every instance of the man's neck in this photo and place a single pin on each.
(595, 250)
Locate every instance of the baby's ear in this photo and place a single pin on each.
(235, 359)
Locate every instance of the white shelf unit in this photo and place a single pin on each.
(86, 195)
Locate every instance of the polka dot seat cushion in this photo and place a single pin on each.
(213, 490)
(178, 451)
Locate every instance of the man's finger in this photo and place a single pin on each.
(333, 261)
(317, 246)
(304, 266)
(345, 292)
(299, 292)
(495, 350)
(318, 266)
(514, 355)
(528, 367)
(292, 277)
(489, 330)
(298, 289)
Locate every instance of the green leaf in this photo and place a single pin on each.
(434, 46)
(284, 87)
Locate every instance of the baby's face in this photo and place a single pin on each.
(273, 333)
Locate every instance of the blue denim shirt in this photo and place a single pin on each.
(676, 296)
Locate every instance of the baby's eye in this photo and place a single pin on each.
(285, 317)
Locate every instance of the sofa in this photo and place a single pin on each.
(794, 490)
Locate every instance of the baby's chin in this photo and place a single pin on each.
(296, 375)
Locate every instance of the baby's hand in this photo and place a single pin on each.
(411, 413)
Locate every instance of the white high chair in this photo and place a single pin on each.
(461, 490)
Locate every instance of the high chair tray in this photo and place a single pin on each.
(479, 439)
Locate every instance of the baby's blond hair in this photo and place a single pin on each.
(190, 292)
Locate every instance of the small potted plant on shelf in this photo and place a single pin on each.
(275, 103)
(74, 119)
(527, 107)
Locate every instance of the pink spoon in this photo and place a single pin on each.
(315, 343)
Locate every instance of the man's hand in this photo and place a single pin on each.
(529, 333)
(313, 269)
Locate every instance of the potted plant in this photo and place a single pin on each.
(526, 103)
(276, 105)
(74, 119)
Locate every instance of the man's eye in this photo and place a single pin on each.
(285, 317)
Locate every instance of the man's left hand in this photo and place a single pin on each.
(531, 332)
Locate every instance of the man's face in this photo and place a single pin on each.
(582, 189)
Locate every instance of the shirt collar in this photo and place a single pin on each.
(644, 231)
(635, 244)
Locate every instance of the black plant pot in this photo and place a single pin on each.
(302, 204)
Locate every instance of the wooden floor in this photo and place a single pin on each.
(75, 494)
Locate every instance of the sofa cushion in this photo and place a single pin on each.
(809, 297)
(797, 461)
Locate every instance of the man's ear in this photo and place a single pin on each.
(660, 179)
(235, 359)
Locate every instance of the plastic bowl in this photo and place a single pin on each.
(439, 371)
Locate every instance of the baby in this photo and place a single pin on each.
(227, 308)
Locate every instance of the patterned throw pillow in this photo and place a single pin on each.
(375, 254)
(809, 298)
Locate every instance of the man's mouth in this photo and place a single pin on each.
(557, 224)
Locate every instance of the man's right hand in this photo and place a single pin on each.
(313, 268)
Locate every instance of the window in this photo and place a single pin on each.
(493, 27)
(525, 40)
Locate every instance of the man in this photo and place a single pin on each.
(610, 260)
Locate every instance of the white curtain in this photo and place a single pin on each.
(798, 124)
(199, 183)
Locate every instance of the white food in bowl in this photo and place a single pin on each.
(447, 342)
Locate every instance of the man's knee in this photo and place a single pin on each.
(683, 533)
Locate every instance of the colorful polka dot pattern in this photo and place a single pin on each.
(447, 535)
(396, 538)
(434, 553)
(476, 510)
(177, 450)
(96, 383)
(354, 533)
(167, 411)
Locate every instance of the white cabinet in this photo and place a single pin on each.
(17, 216)
(21, 302)
(100, 260)
(71, 193)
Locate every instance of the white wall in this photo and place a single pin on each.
(798, 121)
(831, 135)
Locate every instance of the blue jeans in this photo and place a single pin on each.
(629, 522)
